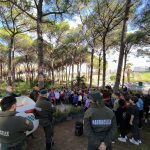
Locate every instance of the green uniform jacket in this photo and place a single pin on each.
(44, 111)
(100, 124)
(12, 128)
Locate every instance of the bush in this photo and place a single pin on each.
(22, 88)
(74, 110)
(112, 77)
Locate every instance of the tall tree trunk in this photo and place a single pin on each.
(40, 44)
(62, 69)
(87, 71)
(125, 63)
(66, 75)
(10, 60)
(122, 46)
(104, 60)
(72, 72)
(28, 70)
(91, 73)
(13, 63)
(78, 70)
(1, 71)
(62, 75)
(99, 69)
(52, 66)
(69, 72)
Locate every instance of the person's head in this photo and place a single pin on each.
(9, 89)
(44, 93)
(96, 97)
(127, 97)
(133, 99)
(122, 103)
(8, 103)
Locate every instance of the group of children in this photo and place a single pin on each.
(130, 109)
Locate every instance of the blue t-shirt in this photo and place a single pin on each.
(140, 104)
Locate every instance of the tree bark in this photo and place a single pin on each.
(13, 63)
(104, 60)
(66, 76)
(1, 71)
(78, 69)
(59, 75)
(125, 63)
(122, 46)
(91, 73)
(99, 69)
(10, 60)
(40, 44)
(69, 72)
(72, 72)
(52, 66)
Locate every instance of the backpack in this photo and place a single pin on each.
(78, 128)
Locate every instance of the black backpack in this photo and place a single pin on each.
(78, 128)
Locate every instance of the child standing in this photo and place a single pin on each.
(134, 121)
(122, 122)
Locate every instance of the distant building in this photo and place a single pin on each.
(141, 69)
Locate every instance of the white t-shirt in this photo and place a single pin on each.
(57, 95)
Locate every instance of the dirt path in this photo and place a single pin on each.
(66, 140)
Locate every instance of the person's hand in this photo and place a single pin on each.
(102, 146)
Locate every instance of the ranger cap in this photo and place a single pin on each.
(96, 96)
(43, 91)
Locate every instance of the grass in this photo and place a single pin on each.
(142, 76)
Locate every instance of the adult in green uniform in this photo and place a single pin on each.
(12, 128)
(44, 112)
(99, 124)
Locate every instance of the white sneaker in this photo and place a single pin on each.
(125, 137)
(121, 139)
(134, 142)
(140, 142)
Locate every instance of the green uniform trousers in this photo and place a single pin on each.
(93, 144)
(21, 146)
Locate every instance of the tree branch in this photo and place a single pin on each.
(30, 15)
